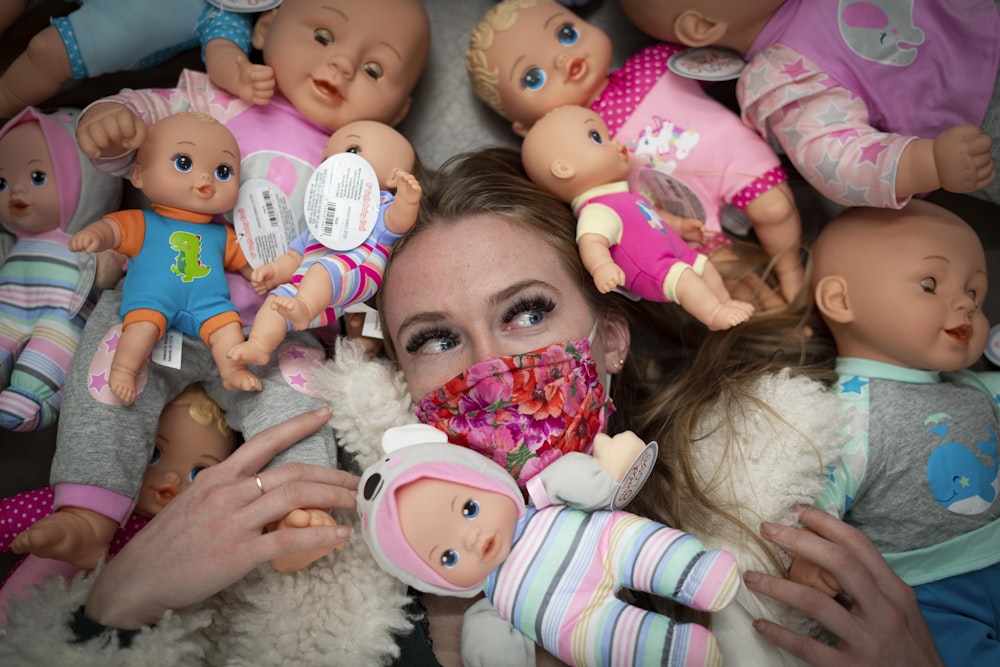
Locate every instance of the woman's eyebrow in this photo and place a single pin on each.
(512, 290)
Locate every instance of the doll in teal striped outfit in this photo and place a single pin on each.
(550, 572)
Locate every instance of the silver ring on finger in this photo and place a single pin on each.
(260, 484)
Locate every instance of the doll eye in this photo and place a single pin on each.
(183, 163)
(194, 472)
(471, 509)
(323, 36)
(973, 294)
(3, 184)
(595, 136)
(223, 172)
(449, 558)
(155, 458)
(567, 34)
(373, 70)
(928, 285)
(533, 79)
(39, 177)
(354, 148)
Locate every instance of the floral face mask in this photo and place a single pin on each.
(523, 411)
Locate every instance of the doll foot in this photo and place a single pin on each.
(249, 352)
(294, 311)
(729, 314)
(122, 384)
(72, 534)
(301, 519)
(241, 380)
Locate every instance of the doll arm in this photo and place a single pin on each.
(105, 234)
(595, 251)
(276, 272)
(958, 160)
(778, 228)
(108, 129)
(489, 639)
(230, 69)
(402, 212)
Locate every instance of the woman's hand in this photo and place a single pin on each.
(883, 625)
(212, 535)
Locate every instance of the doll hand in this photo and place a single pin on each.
(962, 159)
(810, 574)
(109, 129)
(87, 240)
(309, 518)
(608, 276)
(257, 83)
(616, 454)
(689, 229)
(262, 279)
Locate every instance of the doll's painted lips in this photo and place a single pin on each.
(329, 91)
(205, 190)
(491, 547)
(577, 69)
(19, 206)
(961, 334)
(166, 493)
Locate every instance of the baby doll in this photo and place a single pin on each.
(310, 285)
(48, 190)
(549, 571)
(527, 57)
(189, 167)
(326, 76)
(902, 293)
(622, 240)
(104, 36)
(192, 435)
(901, 100)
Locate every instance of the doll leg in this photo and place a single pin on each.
(314, 294)
(133, 349)
(34, 393)
(234, 373)
(35, 75)
(268, 330)
(697, 296)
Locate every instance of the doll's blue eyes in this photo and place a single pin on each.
(471, 509)
(567, 34)
(194, 472)
(38, 178)
(155, 457)
(183, 163)
(533, 79)
(223, 172)
(449, 558)
(3, 184)
(595, 136)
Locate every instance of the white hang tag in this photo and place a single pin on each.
(707, 63)
(167, 350)
(264, 222)
(372, 327)
(342, 201)
(245, 6)
(625, 490)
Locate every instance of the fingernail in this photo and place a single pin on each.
(343, 532)
(325, 411)
(759, 625)
(769, 530)
(751, 578)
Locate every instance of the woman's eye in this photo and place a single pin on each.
(38, 177)
(528, 312)
(595, 136)
(567, 34)
(155, 457)
(223, 172)
(449, 558)
(323, 36)
(434, 341)
(470, 510)
(183, 163)
(928, 284)
(374, 70)
(533, 79)
(194, 472)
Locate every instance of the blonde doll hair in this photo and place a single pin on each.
(485, 79)
(202, 409)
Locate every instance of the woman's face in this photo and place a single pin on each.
(479, 289)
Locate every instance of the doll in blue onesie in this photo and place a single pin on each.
(902, 293)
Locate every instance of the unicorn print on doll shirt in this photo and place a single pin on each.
(963, 479)
(881, 30)
(661, 139)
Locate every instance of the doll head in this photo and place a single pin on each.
(190, 161)
(732, 23)
(45, 182)
(569, 151)
(527, 57)
(379, 144)
(192, 435)
(904, 287)
(337, 61)
(433, 533)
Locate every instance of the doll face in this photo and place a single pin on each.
(481, 288)
(462, 532)
(380, 145)
(916, 296)
(570, 151)
(338, 61)
(549, 57)
(29, 196)
(183, 448)
(190, 163)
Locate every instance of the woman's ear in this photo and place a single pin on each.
(832, 299)
(261, 27)
(616, 338)
(695, 29)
